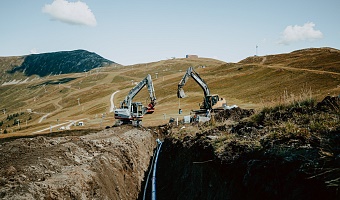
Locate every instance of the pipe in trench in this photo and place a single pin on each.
(153, 194)
(154, 164)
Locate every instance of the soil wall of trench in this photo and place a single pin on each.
(190, 170)
(114, 164)
(108, 164)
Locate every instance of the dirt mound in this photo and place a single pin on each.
(109, 164)
(235, 114)
(284, 152)
(329, 104)
(191, 170)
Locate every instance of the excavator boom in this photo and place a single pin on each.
(192, 73)
(134, 91)
(209, 101)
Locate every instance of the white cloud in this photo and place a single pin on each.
(76, 13)
(300, 33)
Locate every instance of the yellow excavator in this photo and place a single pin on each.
(211, 102)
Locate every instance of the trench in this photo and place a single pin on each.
(114, 164)
(190, 170)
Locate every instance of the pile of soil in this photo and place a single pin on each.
(109, 164)
(235, 114)
(329, 104)
(285, 152)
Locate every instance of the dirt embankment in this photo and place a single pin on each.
(284, 152)
(109, 164)
(287, 152)
(191, 170)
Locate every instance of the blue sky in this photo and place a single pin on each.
(132, 31)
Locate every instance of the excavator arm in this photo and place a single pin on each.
(134, 91)
(192, 73)
(151, 89)
(209, 101)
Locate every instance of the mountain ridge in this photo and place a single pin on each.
(52, 63)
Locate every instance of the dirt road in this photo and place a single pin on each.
(301, 69)
(111, 101)
(295, 69)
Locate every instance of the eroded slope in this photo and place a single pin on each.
(109, 164)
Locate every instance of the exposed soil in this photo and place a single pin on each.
(278, 153)
(285, 152)
(191, 170)
(109, 164)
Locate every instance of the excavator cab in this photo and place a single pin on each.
(213, 102)
(137, 110)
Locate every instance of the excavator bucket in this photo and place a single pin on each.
(150, 109)
(180, 93)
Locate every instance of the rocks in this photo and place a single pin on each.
(11, 171)
(3, 181)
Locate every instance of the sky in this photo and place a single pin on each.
(134, 31)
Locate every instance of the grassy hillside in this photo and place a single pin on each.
(255, 82)
(7, 64)
(324, 59)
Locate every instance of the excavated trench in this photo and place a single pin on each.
(190, 170)
(115, 164)
(295, 154)
(287, 153)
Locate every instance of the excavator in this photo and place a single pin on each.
(133, 112)
(211, 102)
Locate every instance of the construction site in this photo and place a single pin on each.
(264, 128)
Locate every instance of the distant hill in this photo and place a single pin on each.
(62, 62)
(255, 82)
(325, 59)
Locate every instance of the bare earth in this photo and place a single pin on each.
(76, 167)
